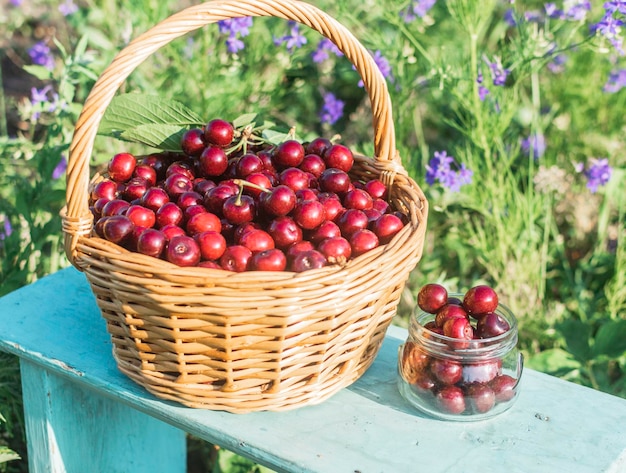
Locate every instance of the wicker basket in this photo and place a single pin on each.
(256, 340)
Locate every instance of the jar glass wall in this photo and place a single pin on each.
(455, 379)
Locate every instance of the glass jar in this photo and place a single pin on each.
(454, 379)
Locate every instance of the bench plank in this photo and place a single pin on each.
(70, 428)
(554, 425)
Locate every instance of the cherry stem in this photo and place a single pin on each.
(243, 183)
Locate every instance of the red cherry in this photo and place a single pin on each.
(451, 399)
(339, 157)
(363, 241)
(239, 209)
(192, 142)
(309, 214)
(257, 240)
(106, 189)
(235, 258)
(327, 229)
(212, 244)
(336, 250)
(115, 207)
(504, 387)
(334, 180)
(279, 201)
(177, 184)
(318, 146)
(135, 188)
(121, 167)
(448, 312)
(294, 178)
(180, 167)
(219, 132)
(183, 250)
(147, 173)
(141, 216)
(249, 163)
(491, 325)
(481, 397)
(305, 260)
(169, 214)
(446, 371)
(155, 198)
(480, 300)
(351, 221)
(285, 232)
(357, 199)
(314, 164)
(203, 222)
(151, 242)
(458, 328)
(117, 228)
(268, 260)
(290, 153)
(213, 161)
(386, 227)
(376, 189)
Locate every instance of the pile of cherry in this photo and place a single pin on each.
(458, 385)
(222, 204)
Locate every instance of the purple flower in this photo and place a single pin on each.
(510, 18)
(616, 81)
(16, 3)
(439, 169)
(60, 168)
(552, 11)
(498, 72)
(41, 55)
(68, 8)
(323, 48)
(533, 16)
(38, 96)
(295, 39)
(616, 6)
(235, 28)
(332, 110)
(6, 229)
(383, 66)
(576, 10)
(417, 8)
(597, 174)
(234, 44)
(482, 90)
(557, 65)
(610, 28)
(535, 143)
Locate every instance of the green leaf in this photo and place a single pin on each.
(148, 119)
(553, 361)
(244, 120)
(7, 455)
(577, 335)
(39, 72)
(161, 136)
(610, 339)
(275, 137)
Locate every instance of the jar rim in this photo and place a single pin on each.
(450, 347)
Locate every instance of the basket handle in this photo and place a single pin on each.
(78, 220)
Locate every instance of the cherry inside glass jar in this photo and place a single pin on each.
(455, 379)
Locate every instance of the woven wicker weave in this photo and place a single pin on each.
(256, 340)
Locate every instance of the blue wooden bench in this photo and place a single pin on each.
(83, 415)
